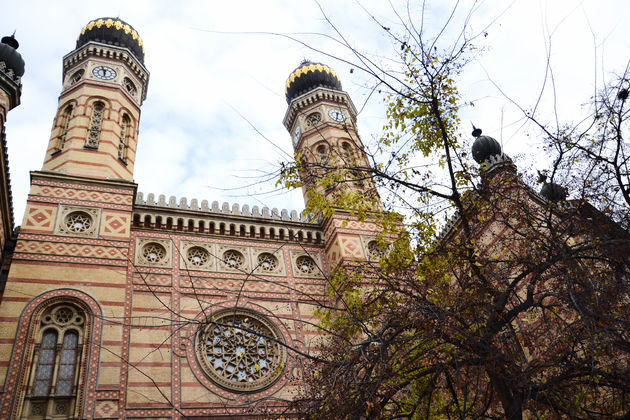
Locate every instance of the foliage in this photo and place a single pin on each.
(518, 310)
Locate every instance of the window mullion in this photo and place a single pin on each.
(55, 373)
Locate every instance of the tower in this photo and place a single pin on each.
(11, 72)
(333, 162)
(322, 121)
(71, 257)
(104, 84)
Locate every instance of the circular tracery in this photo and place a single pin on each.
(267, 262)
(305, 264)
(241, 350)
(153, 252)
(78, 222)
(233, 259)
(197, 256)
(374, 252)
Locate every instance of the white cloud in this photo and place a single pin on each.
(193, 142)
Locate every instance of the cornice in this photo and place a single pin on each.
(110, 52)
(314, 96)
(59, 177)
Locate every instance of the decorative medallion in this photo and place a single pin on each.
(233, 259)
(267, 262)
(153, 252)
(241, 350)
(77, 221)
(197, 256)
(306, 264)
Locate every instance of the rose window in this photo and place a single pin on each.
(267, 262)
(63, 315)
(78, 222)
(305, 264)
(153, 252)
(233, 259)
(197, 256)
(241, 350)
(374, 253)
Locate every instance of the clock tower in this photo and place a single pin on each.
(333, 163)
(322, 121)
(104, 84)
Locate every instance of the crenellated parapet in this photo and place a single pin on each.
(225, 208)
(225, 219)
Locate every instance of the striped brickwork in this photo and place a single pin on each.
(75, 157)
(88, 271)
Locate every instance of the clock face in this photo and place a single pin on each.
(296, 136)
(336, 115)
(104, 72)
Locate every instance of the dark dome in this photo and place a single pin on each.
(10, 56)
(553, 192)
(112, 31)
(308, 76)
(484, 147)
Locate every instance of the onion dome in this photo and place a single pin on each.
(484, 147)
(11, 58)
(309, 76)
(553, 192)
(112, 31)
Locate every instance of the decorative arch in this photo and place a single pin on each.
(126, 130)
(63, 122)
(98, 108)
(28, 342)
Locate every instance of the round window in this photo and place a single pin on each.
(153, 252)
(197, 256)
(305, 264)
(78, 222)
(267, 262)
(233, 259)
(241, 350)
(374, 252)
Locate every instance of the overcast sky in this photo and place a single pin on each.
(213, 79)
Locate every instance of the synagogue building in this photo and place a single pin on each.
(118, 304)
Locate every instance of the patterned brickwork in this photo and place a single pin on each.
(39, 218)
(106, 409)
(71, 192)
(254, 287)
(152, 279)
(47, 248)
(116, 225)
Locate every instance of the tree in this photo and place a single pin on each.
(518, 309)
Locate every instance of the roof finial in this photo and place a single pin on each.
(476, 131)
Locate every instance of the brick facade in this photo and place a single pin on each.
(148, 276)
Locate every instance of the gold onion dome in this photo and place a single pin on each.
(112, 31)
(309, 76)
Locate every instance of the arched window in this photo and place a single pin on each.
(96, 123)
(64, 123)
(123, 144)
(53, 385)
(346, 151)
(322, 154)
